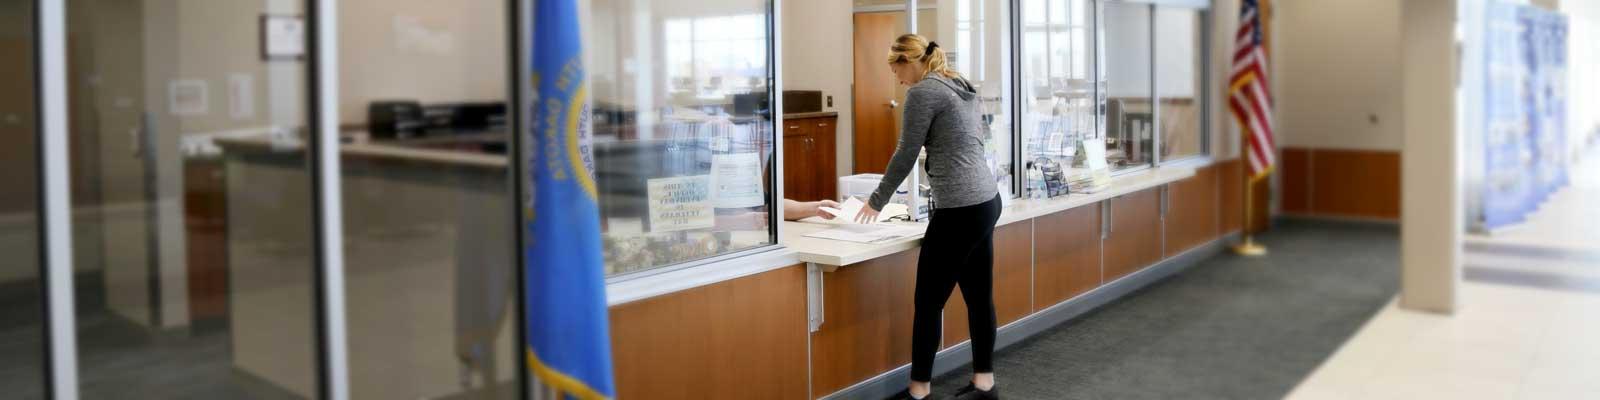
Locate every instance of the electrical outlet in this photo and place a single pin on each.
(830, 101)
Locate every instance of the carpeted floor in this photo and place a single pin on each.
(1229, 328)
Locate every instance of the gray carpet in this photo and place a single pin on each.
(1229, 328)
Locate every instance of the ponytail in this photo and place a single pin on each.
(912, 47)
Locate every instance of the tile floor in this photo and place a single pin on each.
(1507, 341)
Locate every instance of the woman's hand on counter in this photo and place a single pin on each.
(867, 214)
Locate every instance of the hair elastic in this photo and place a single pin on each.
(929, 50)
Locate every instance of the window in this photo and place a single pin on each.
(1058, 89)
(716, 56)
(1125, 86)
(1179, 82)
(683, 129)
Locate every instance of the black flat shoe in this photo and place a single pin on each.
(971, 392)
(906, 395)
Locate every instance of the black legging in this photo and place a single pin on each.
(958, 248)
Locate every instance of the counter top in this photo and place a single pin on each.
(426, 150)
(814, 114)
(840, 253)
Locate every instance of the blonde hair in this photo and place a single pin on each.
(912, 47)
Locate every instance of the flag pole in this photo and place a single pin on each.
(1249, 247)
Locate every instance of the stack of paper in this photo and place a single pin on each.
(865, 233)
(852, 206)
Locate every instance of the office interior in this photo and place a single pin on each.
(194, 216)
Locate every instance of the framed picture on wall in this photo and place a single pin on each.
(283, 37)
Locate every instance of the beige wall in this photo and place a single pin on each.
(1224, 131)
(427, 50)
(817, 43)
(1337, 63)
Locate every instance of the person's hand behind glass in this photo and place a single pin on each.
(796, 210)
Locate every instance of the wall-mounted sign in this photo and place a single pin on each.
(680, 203)
(283, 37)
(188, 97)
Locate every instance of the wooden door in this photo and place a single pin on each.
(799, 183)
(876, 97)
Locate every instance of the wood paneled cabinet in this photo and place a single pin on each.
(808, 158)
(1067, 255)
(1134, 234)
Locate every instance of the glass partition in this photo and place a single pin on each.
(976, 35)
(22, 320)
(193, 211)
(683, 128)
(1058, 75)
(1125, 87)
(1180, 81)
(428, 234)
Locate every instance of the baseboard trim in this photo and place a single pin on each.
(893, 381)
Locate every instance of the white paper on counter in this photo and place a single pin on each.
(852, 206)
(864, 233)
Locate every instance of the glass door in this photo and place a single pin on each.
(193, 213)
(22, 330)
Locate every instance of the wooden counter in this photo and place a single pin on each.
(748, 336)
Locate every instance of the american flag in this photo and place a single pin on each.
(1248, 97)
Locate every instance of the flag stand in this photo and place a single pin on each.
(1249, 247)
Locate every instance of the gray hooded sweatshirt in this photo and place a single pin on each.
(943, 115)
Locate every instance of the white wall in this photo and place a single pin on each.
(1172, 28)
(1337, 63)
(1583, 82)
(817, 55)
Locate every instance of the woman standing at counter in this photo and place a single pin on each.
(941, 114)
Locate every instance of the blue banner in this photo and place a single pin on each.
(569, 343)
(1525, 111)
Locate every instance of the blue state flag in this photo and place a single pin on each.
(569, 343)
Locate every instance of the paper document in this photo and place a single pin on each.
(852, 206)
(862, 233)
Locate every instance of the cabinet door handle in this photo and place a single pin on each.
(1111, 221)
(794, 126)
(823, 124)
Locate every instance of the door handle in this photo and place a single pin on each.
(893, 104)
